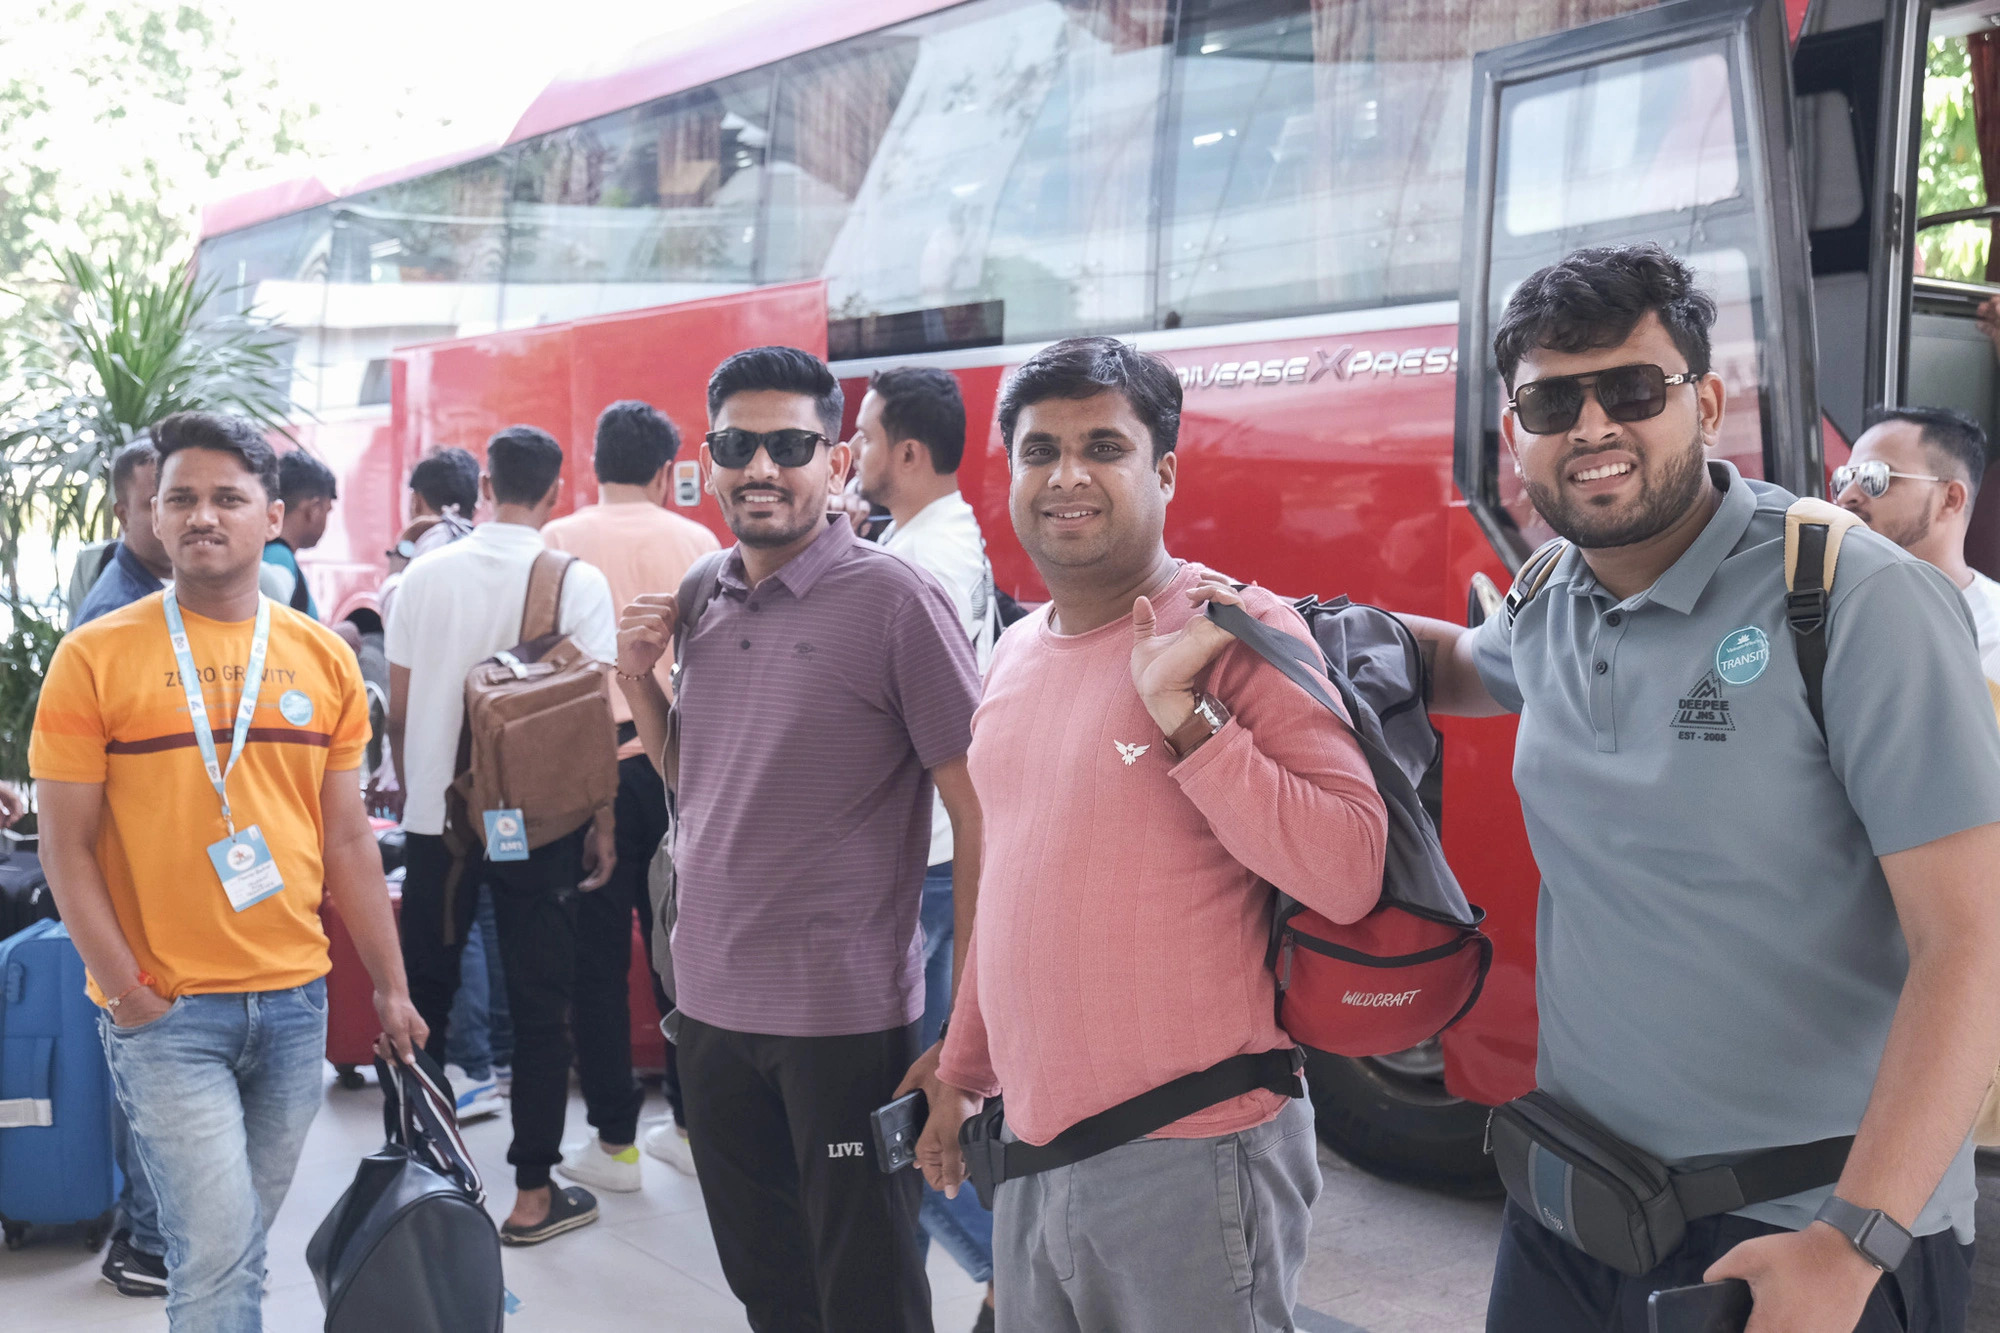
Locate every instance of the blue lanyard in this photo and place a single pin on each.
(253, 684)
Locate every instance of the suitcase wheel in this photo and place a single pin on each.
(351, 1078)
(16, 1234)
(95, 1233)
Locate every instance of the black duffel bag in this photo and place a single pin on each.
(24, 892)
(410, 1247)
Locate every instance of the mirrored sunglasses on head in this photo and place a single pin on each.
(1873, 477)
(734, 447)
(1626, 393)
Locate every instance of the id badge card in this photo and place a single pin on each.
(243, 863)
(506, 836)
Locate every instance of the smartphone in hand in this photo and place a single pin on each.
(897, 1126)
(1712, 1307)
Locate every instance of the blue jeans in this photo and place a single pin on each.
(140, 1209)
(220, 1091)
(482, 1030)
(961, 1225)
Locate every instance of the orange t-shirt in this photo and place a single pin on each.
(641, 548)
(113, 711)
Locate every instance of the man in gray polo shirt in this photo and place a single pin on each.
(1750, 935)
(825, 689)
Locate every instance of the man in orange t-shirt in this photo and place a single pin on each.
(187, 832)
(642, 547)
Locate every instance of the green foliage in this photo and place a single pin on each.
(1948, 167)
(116, 119)
(125, 350)
(29, 641)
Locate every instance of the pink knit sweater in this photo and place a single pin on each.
(1123, 899)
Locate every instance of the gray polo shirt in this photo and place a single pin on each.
(1718, 955)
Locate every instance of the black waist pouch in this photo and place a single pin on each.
(1623, 1206)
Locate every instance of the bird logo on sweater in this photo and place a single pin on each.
(1130, 753)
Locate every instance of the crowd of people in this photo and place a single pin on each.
(914, 847)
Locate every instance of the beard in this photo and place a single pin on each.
(1909, 534)
(1659, 505)
(772, 533)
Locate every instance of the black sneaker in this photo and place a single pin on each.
(131, 1270)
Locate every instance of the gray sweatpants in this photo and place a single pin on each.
(1161, 1236)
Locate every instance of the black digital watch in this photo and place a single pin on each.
(1878, 1237)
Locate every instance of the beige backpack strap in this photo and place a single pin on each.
(1534, 574)
(1815, 513)
(541, 612)
(1813, 533)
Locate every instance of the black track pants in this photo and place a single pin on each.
(813, 1239)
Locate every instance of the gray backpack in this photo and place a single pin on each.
(1415, 964)
(662, 887)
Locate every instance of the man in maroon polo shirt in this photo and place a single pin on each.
(826, 688)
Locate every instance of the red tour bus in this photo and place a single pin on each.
(1312, 208)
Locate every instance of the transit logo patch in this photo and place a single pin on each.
(1703, 709)
(1742, 655)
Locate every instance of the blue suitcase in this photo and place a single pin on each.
(56, 1165)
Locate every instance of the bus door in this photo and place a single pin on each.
(1673, 124)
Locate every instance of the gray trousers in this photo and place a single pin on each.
(1161, 1236)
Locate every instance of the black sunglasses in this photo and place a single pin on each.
(734, 448)
(1626, 393)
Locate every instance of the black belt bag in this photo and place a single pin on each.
(1623, 1206)
(990, 1161)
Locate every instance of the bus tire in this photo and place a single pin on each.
(1393, 1118)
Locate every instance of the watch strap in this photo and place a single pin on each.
(1209, 718)
(1876, 1236)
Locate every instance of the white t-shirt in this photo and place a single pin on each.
(943, 537)
(1983, 596)
(458, 605)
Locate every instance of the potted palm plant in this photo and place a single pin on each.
(117, 346)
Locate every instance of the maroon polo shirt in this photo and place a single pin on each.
(812, 707)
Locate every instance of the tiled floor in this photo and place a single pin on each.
(1385, 1259)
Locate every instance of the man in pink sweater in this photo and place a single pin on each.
(1145, 782)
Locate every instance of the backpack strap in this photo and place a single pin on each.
(1534, 574)
(697, 590)
(1813, 533)
(541, 612)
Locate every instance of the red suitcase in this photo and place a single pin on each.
(649, 1048)
(351, 1023)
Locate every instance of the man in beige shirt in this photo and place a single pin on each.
(642, 548)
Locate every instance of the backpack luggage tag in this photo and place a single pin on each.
(506, 835)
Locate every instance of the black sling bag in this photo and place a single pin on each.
(989, 1160)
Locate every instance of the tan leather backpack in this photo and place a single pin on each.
(538, 734)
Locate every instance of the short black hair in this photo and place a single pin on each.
(922, 403)
(1086, 367)
(223, 432)
(1949, 434)
(446, 479)
(302, 477)
(524, 461)
(783, 370)
(1595, 297)
(125, 464)
(634, 441)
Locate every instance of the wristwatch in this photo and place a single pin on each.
(1879, 1238)
(1209, 717)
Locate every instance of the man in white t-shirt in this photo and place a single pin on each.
(1913, 477)
(457, 606)
(909, 437)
